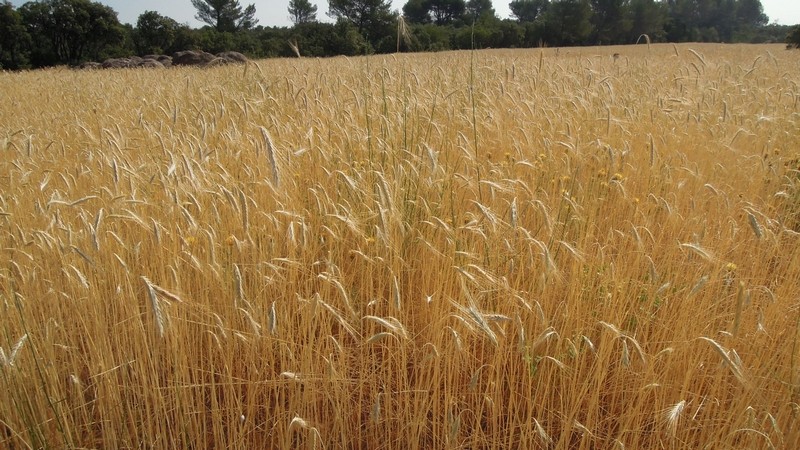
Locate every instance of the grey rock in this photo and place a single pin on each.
(234, 57)
(118, 63)
(150, 63)
(192, 58)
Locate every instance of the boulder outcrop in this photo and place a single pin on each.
(185, 58)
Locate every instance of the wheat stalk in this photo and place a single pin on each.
(671, 416)
(734, 365)
(158, 314)
(270, 147)
(12, 356)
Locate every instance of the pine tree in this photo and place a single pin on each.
(372, 18)
(302, 11)
(225, 15)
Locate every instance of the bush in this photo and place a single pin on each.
(793, 38)
(433, 38)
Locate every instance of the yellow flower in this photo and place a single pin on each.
(616, 177)
(730, 267)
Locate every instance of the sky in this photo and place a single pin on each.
(274, 12)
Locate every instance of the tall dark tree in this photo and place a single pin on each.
(13, 38)
(69, 31)
(372, 18)
(568, 22)
(750, 13)
(155, 33)
(718, 21)
(417, 11)
(479, 8)
(714, 20)
(647, 17)
(683, 21)
(611, 20)
(446, 12)
(302, 11)
(225, 15)
(527, 10)
(793, 37)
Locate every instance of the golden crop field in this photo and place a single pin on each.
(587, 248)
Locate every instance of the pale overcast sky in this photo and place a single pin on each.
(274, 12)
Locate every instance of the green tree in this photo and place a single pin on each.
(750, 14)
(185, 39)
(770, 33)
(568, 22)
(325, 39)
(433, 38)
(372, 18)
(155, 33)
(721, 18)
(793, 38)
(683, 21)
(534, 32)
(610, 20)
(477, 9)
(36, 17)
(714, 20)
(647, 17)
(14, 38)
(313, 38)
(417, 11)
(511, 34)
(69, 31)
(213, 41)
(302, 11)
(445, 12)
(527, 10)
(225, 15)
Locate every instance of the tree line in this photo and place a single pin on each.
(58, 32)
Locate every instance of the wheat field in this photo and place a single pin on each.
(587, 248)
